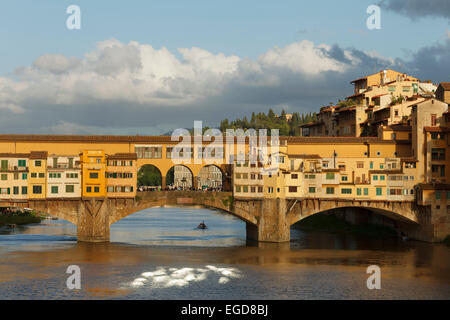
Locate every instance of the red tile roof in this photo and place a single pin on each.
(436, 129)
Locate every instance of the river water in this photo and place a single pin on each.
(159, 254)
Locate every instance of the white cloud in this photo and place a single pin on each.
(128, 85)
(140, 74)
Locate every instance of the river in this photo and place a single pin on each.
(159, 254)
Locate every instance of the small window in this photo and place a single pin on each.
(312, 189)
(93, 175)
(37, 163)
(54, 189)
(70, 188)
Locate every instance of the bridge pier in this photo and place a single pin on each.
(93, 221)
(272, 223)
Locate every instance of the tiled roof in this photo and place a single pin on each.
(14, 155)
(436, 129)
(445, 85)
(38, 154)
(123, 156)
(304, 156)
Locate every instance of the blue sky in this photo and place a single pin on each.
(245, 28)
(35, 39)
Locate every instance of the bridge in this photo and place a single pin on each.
(267, 220)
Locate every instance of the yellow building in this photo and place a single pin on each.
(37, 179)
(14, 176)
(93, 168)
(121, 175)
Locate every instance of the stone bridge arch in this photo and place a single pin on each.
(397, 210)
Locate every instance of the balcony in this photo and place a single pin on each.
(14, 169)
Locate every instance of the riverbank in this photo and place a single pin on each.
(332, 223)
(18, 218)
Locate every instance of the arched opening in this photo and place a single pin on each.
(352, 227)
(210, 177)
(149, 178)
(177, 225)
(179, 177)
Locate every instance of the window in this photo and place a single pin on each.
(358, 191)
(371, 164)
(41, 175)
(24, 190)
(238, 175)
(391, 88)
(245, 188)
(381, 165)
(260, 189)
(292, 189)
(4, 164)
(88, 189)
(149, 152)
(294, 176)
(344, 178)
(382, 178)
(375, 178)
(360, 164)
(16, 176)
(438, 170)
(437, 154)
(433, 120)
(4, 176)
(22, 163)
(330, 190)
(24, 176)
(438, 195)
(252, 189)
(37, 189)
(96, 189)
(15, 190)
(379, 191)
(37, 163)
(312, 189)
(238, 188)
(366, 191)
(93, 175)
(330, 176)
(346, 191)
(54, 189)
(70, 188)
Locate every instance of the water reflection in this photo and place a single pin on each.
(159, 254)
